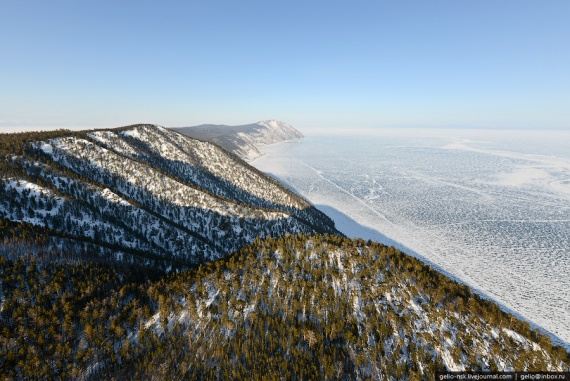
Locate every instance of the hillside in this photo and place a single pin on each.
(295, 307)
(244, 140)
(141, 194)
(141, 253)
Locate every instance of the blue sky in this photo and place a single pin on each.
(490, 64)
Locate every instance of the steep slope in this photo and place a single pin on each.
(296, 307)
(141, 194)
(319, 307)
(244, 140)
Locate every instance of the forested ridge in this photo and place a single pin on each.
(295, 307)
(141, 194)
(138, 253)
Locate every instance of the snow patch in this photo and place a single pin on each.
(47, 148)
(516, 336)
(109, 195)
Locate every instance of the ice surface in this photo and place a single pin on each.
(491, 208)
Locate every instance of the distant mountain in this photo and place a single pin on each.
(245, 140)
(141, 194)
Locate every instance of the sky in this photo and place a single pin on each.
(315, 64)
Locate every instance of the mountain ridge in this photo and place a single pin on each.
(294, 307)
(146, 188)
(244, 140)
(140, 253)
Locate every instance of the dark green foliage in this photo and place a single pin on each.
(287, 308)
(57, 320)
(296, 307)
(84, 292)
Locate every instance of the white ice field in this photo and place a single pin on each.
(490, 208)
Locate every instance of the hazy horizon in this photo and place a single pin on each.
(307, 130)
(485, 64)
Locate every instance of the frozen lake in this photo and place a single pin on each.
(491, 208)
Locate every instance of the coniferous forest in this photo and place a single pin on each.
(138, 253)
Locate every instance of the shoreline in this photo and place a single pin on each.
(355, 229)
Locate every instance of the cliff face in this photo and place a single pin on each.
(245, 140)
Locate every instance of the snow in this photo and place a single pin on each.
(449, 363)
(153, 321)
(270, 132)
(111, 139)
(141, 174)
(84, 218)
(20, 185)
(35, 191)
(416, 307)
(134, 133)
(114, 197)
(47, 148)
(172, 146)
(275, 131)
(489, 208)
(522, 176)
(516, 336)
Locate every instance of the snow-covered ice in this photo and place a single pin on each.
(490, 208)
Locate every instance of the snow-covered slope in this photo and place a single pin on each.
(297, 306)
(245, 140)
(337, 309)
(144, 190)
